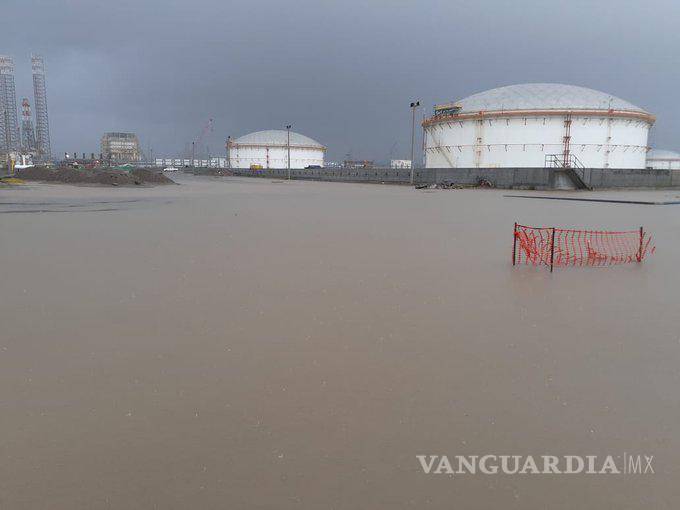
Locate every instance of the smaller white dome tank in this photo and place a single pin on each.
(269, 149)
(663, 160)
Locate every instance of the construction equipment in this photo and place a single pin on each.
(200, 139)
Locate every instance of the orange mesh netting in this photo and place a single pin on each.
(566, 247)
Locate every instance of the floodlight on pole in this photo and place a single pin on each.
(414, 106)
(288, 145)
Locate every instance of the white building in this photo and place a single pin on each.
(270, 149)
(213, 162)
(663, 160)
(537, 125)
(400, 163)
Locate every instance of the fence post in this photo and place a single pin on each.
(642, 235)
(514, 243)
(552, 250)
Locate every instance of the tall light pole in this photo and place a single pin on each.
(414, 105)
(226, 145)
(193, 154)
(288, 165)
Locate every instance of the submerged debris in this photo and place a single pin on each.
(481, 183)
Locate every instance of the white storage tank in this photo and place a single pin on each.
(663, 160)
(537, 125)
(269, 149)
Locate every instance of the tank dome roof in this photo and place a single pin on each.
(277, 137)
(544, 96)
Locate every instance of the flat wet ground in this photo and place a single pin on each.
(244, 343)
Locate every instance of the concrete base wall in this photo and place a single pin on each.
(625, 178)
(504, 178)
(508, 178)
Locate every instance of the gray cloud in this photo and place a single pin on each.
(340, 72)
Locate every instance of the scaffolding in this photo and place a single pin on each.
(9, 123)
(42, 126)
(28, 144)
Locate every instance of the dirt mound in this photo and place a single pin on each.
(70, 175)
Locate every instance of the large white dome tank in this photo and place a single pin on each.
(537, 125)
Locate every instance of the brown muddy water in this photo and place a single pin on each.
(234, 344)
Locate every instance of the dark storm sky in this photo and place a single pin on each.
(342, 72)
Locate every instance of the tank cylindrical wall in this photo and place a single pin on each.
(506, 141)
(275, 157)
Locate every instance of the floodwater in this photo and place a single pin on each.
(232, 344)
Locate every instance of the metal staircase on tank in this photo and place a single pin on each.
(572, 166)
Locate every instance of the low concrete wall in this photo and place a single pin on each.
(540, 178)
(505, 178)
(508, 178)
(379, 175)
(633, 178)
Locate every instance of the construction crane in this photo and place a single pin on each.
(196, 144)
(390, 155)
(206, 129)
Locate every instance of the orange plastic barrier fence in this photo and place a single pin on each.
(566, 247)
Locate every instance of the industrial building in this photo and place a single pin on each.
(120, 148)
(537, 125)
(663, 160)
(273, 148)
(42, 125)
(9, 124)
